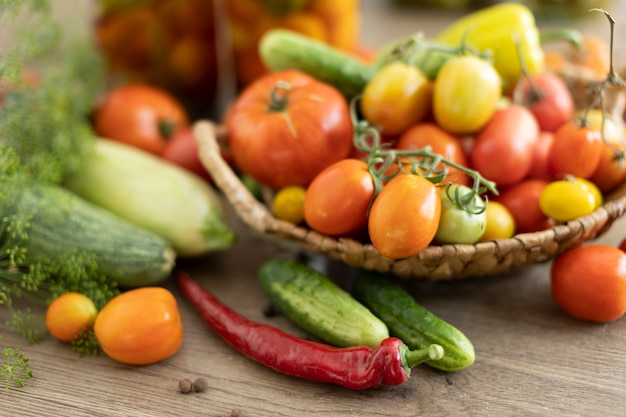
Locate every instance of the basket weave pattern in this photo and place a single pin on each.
(444, 262)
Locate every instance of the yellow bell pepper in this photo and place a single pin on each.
(496, 29)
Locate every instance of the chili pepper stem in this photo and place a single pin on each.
(413, 358)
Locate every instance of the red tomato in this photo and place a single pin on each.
(503, 149)
(140, 326)
(442, 143)
(69, 314)
(576, 150)
(404, 217)
(611, 171)
(589, 282)
(140, 115)
(548, 98)
(337, 200)
(522, 201)
(182, 150)
(539, 168)
(286, 127)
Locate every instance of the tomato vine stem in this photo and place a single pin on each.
(423, 161)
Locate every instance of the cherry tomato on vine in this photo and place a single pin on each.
(466, 93)
(441, 142)
(522, 201)
(548, 98)
(457, 225)
(286, 127)
(567, 199)
(500, 223)
(576, 151)
(69, 314)
(140, 326)
(503, 149)
(398, 96)
(404, 217)
(589, 282)
(337, 200)
(288, 204)
(140, 115)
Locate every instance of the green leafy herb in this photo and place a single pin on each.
(14, 368)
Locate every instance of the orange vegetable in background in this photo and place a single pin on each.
(69, 314)
(140, 327)
(140, 115)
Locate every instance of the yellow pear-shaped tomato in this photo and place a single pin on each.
(140, 327)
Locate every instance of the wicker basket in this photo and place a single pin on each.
(445, 262)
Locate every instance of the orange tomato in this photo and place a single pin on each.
(140, 115)
(404, 217)
(140, 327)
(440, 142)
(69, 314)
(589, 282)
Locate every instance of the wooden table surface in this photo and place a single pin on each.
(531, 359)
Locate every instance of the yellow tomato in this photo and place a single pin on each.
(500, 223)
(289, 204)
(140, 327)
(69, 314)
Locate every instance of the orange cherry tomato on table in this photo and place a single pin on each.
(548, 98)
(140, 115)
(404, 217)
(589, 282)
(398, 96)
(466, 93)
(286, 127)
(442, 143)
(140, 326)
(576, 150)
(69, 314)
(337, 200)
(503, 149)
(522, 201)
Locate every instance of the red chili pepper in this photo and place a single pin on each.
(358, 367)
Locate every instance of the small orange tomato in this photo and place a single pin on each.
(69, 314)
(589, 282)
(141, 326)
(404, 217)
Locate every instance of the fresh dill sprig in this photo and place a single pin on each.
(14, 368)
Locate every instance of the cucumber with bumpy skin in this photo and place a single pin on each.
(282, 49)
(409, 321)
(319, 306)
(62, 222)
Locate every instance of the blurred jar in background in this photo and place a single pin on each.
(336, 22)
(203, 50)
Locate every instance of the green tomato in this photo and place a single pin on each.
(457, 225)
(466, 94)
(568, 199)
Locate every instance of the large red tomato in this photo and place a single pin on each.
(286, 127)
(140, 115)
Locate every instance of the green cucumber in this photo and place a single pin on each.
(63, 222)
(156, 195)
(409, 321)
(282, 49)
(318, 305)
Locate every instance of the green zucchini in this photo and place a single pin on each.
(318, 305)
(156, 195)
(62, 222)
(282, 49)
(409, 321)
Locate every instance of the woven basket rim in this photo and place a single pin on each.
(445, 262)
